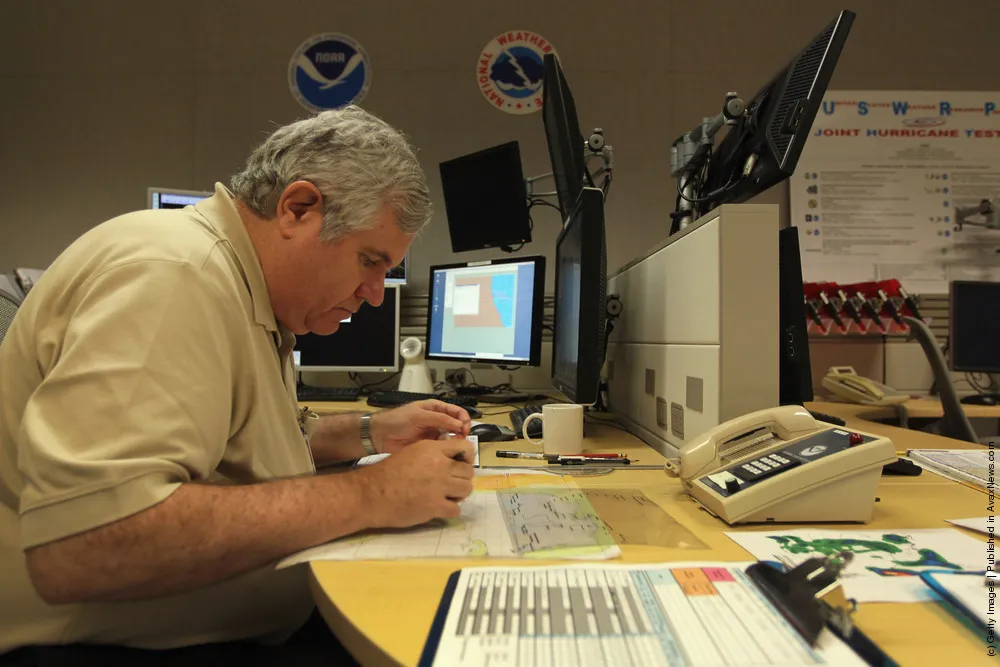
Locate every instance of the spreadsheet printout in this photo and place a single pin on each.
(593, 615)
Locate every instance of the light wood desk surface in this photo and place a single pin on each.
(382, 610)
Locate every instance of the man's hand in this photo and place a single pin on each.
(422, 482)
(392, 430)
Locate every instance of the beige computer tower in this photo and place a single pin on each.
(697, 341)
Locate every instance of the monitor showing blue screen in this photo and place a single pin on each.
(170, 198)
(489, 312)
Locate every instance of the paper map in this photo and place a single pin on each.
(507, 516)
(887, 564)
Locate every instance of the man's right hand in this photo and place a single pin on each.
(419, 483)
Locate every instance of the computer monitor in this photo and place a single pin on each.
(794, 367)
(763, 147)
(488, 312)
(581, 308)
(485, 199)
(563, 136)
(171, 198)
(397, 274)
(974, 326)
(368, 341)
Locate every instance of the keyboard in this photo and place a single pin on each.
(829, 419)
(518, 416)
(393, 399)
(307, 393)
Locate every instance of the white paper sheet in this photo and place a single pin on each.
(978, 524)
(609, 614)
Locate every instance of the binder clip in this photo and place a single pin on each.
(810, 597)
(801, 594)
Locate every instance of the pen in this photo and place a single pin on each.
(505, 454)
(570, 461)
(595, 456)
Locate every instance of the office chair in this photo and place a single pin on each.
(954, 424)
(9, 303)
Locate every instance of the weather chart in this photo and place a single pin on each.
(677, 614)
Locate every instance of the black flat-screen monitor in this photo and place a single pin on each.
(366, 341)
(487, 312)
(486, 200)
(974, 326)
(794, 367)
(562, 136)
(581, 308)
(763, 149)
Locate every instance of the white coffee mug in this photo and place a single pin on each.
(562, 426)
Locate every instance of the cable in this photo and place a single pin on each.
(980, 388)
(368, 386)
(542, 202)
(607, 422)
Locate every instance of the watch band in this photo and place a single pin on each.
(366, 434)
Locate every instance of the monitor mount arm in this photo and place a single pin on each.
(989, 214)
(689, 151)
(595, 147)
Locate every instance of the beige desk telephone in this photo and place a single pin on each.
(847, 385)
(781, 465)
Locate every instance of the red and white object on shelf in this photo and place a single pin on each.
(860, 308)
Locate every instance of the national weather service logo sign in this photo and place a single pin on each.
(509, 71)
(329, 71)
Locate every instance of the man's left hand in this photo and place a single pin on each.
(421, 420)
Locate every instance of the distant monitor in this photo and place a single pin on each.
(580, 313)
(368, 341)
(489, 312)
(397, 274)
(170, 198)
(485, 199)
(794, 367)
(563, 136)
(974, 326)
(763, 148)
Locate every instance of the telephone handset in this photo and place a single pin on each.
(781, 465)
(844, 383)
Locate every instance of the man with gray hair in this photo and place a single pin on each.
(153, 462)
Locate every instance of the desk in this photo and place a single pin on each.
(862, 417)
(382, 610)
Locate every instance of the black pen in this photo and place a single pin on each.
(582, 462)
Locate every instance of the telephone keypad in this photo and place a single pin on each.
(763, 467)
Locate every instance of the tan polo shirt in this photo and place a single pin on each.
(147, 356)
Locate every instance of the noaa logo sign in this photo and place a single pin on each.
(329, 71)
(510, 72)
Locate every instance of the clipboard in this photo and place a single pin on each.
(941, 583)
(791, 594)
(437, 626)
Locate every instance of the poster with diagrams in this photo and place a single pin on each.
(888, 185)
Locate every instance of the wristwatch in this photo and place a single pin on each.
(366, 434)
